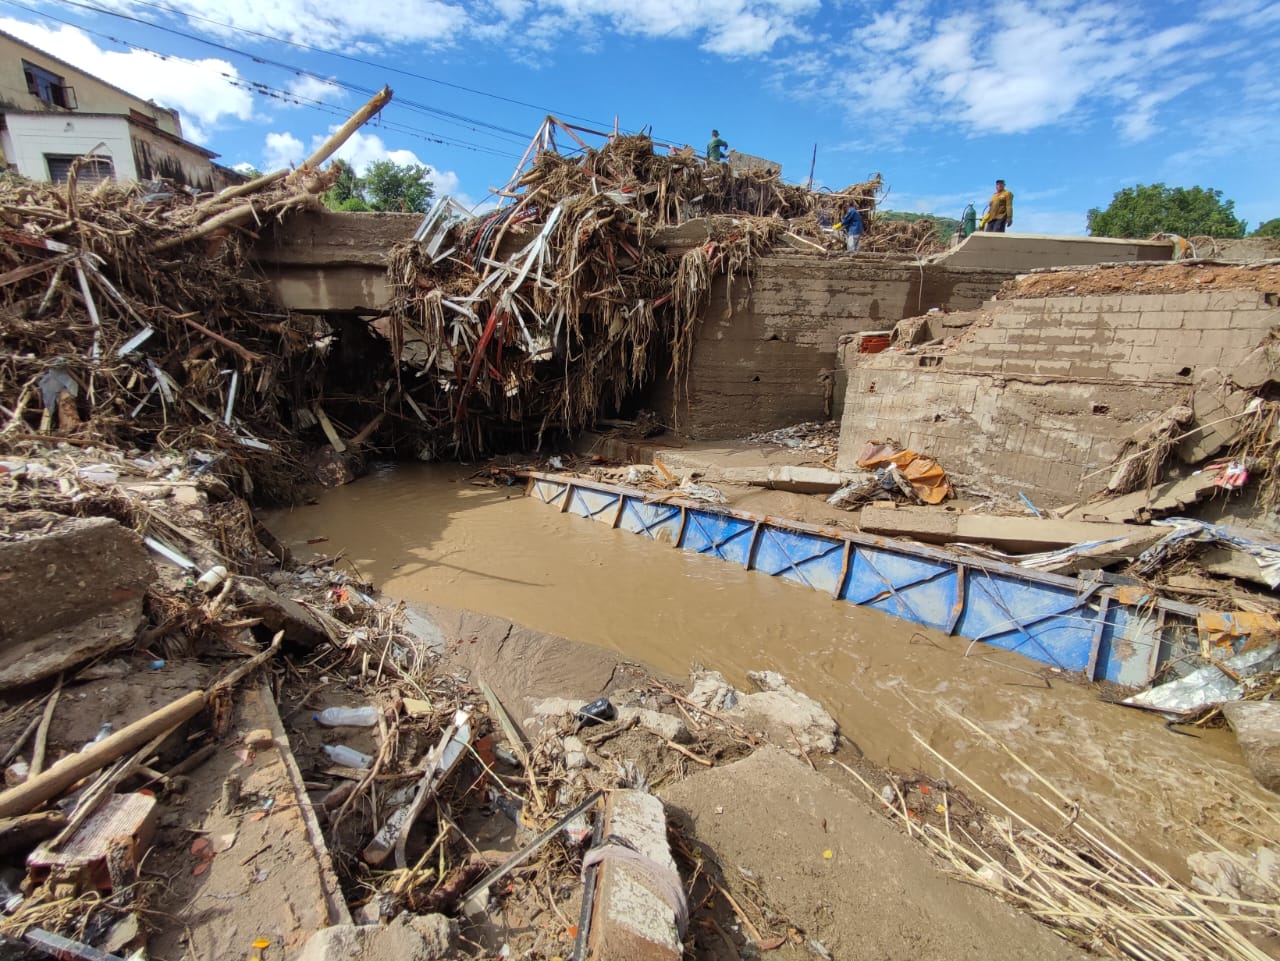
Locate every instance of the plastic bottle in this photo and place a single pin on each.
(366, 716)
(345, 756)
(211, 578)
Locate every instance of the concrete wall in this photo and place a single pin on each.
(1048, 391)
(159, 156)
(757, 360)
(92, 95)
(28, 137)
(1021, 252)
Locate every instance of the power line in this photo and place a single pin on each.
(368, 63)
(266, 90)
(356, 88)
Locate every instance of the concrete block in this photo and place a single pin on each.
(1094, 336)
(1020, 366)
(633, 919)
(1089, 371)
(1233, 299)
(1007, 533)
(410, 937)
(1136, 336)
(1053, 368)
(1141, 303)
(73, 588)
(1160, 319)
(1207, 319)
(1192, 300)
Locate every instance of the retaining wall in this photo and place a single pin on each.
(764, 344)
(1046, 394)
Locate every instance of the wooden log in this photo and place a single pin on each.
(49, 784)
(23, 833)
(343, 133)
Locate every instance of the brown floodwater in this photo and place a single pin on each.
(427, 534)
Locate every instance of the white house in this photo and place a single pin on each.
(51, 113)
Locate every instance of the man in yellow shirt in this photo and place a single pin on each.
(999, 215)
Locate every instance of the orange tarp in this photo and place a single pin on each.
(926, 476)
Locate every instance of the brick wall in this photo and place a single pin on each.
(1047, 393)
(762, 344)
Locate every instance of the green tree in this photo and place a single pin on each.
(1153, 209)
(345, 189)
(1269, 228)
(397, 187)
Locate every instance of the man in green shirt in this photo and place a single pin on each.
(716, 148)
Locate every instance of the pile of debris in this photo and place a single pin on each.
(129, 317)
(275, 736)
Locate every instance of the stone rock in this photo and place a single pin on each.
(259, 740)
(1257, 728)
(73, 589)
(655, 722)
(332, 469)
(785, 713)
(408, 938)
(575, 753)
(712, 692)
(278, 613)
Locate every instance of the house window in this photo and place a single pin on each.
(92, 169)
(48, 87)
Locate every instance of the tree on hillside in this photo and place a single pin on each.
(1268, 228)
(945, 226)
(1153, 209)
(403, 188)
(386, 185)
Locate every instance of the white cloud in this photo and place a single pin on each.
(281, 150)
(325, 24)
(1012, 67)
(198, 89)
(309, 88)
(726, 27)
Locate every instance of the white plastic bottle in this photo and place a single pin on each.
(366, 716)
(345, 756)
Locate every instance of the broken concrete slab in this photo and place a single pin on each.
(1261, 366)
(276, 859)
(60, 570)
(1257, 728)
(1216, 423)
(1017, 534)
(278, 612)
(74, 588)
(801, 480)
(786, 715)
(410, 937)
(1165, 498)
(633, 917)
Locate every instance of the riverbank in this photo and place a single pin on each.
(254, 833)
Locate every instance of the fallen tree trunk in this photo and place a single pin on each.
(49, 784)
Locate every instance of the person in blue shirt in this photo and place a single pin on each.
(853, 228)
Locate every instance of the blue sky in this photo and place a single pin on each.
(1068, 101)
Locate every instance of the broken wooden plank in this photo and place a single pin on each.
(327, 426)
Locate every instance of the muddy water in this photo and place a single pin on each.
(427, 534)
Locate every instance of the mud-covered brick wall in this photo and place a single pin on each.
(763, 344)
(1045, 395)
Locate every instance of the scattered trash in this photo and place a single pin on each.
(366, 716)
(345, 756)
